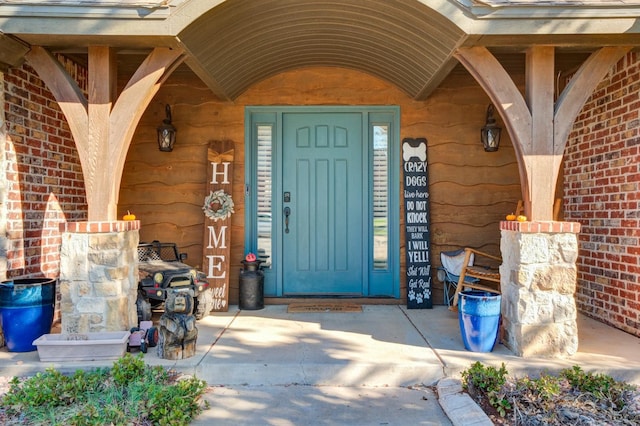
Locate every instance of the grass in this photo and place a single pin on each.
(129, 393)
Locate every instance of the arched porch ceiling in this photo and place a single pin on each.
(241, 42)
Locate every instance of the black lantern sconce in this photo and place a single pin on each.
(490, 133)
(166, 132)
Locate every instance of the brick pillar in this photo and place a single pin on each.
(98, 276)
(538, 282)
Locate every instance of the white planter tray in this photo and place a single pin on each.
(96, 346)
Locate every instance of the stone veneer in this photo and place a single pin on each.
(538, 283)
(98, 276)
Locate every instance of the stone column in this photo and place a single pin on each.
(538, 282)
(98, 276)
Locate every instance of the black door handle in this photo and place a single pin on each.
(287, 213)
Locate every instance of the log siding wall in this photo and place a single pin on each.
(602, 189)
(471, 190)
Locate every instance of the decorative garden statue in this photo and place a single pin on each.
(178, 331)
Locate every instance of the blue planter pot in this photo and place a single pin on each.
(26, 311)
(479, 318)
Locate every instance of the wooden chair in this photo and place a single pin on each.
(482, 273)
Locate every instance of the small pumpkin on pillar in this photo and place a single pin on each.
(129, 216)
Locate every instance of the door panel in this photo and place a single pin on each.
(323, 171)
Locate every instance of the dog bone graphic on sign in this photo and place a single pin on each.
(419, 151)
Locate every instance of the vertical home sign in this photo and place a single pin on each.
(218, 208)
(417, 235)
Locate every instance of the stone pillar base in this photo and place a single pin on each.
(538, 283)
(99, 276)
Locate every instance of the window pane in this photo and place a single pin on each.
(380, 197)
(264, 195)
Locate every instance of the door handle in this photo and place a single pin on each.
(287, 213)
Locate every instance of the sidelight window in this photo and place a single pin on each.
(263, 194)
(380, 215)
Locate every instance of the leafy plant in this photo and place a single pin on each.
(488, 380)
(128, 393)
(559, 400)
(600, 385)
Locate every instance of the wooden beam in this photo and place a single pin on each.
(538, 127)
(506, 98)
(12, 51)
(102, 75)
(540, 162)
(133, 101)
(101, 128)
(138, 93)
(580, 88)
(68, 94)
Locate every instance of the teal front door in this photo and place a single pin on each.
(322, 199)
(322, 204)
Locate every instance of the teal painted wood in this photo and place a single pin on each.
(374, 281)
(322, 169)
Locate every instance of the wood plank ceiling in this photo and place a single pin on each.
(244, 41)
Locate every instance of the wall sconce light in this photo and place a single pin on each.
(490, 133)
(166, 132)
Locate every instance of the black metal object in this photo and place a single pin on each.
(251, 286)
(161, 269)
(490, 133)
(166, 132)
(287, 213)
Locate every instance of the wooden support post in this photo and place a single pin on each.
(541, 165)
(102, 126)
(538, 127)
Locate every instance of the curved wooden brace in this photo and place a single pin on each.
(132, 103)
(502, 91)
(103, 134)
(579, 89)
(507, 99)
(67, 93)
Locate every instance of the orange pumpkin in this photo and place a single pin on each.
(511, 216)
(521, 218)
(129, 216)
(250, 257)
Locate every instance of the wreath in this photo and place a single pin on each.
(218, 205)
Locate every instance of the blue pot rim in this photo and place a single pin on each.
(477, 294)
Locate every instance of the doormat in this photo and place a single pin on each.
(323, 307)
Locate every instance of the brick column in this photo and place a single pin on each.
(98, 276)
(538, 282)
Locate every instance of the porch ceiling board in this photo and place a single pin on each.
(242, 42)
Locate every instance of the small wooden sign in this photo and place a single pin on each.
(218, 208)
(417, 220)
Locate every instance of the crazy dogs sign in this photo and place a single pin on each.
(417, 235)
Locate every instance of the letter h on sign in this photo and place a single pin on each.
(224, 173)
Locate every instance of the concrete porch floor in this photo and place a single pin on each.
(384, 346)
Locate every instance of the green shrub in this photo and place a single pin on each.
(489, 381)
(600, 385)
(553, 399)
(128, 393)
